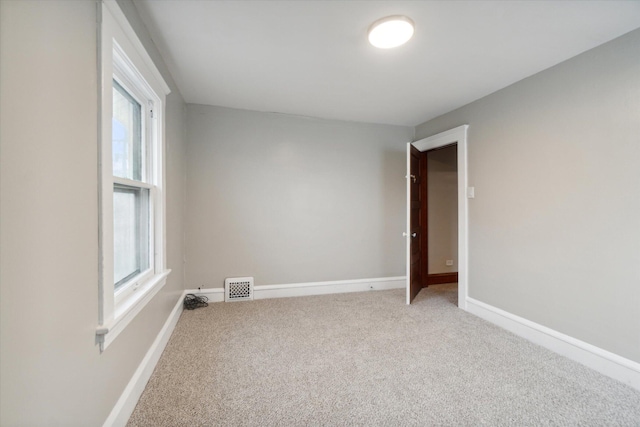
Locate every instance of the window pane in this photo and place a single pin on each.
(126, 131)
(131, 232)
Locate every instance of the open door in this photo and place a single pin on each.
(416, 276)
(413, 233)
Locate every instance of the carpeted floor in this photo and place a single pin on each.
(367, 359)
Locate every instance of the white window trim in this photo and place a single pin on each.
(122, 54)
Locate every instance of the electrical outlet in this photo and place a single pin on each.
(449, 262)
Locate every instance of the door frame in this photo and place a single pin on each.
(457, 136)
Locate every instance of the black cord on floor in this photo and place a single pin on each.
(191, 302)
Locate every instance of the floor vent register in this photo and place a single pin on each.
(238, 289)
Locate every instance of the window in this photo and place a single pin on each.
(132, 251)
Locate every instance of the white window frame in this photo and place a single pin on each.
(122, 57)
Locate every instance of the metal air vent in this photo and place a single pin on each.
(238, 289)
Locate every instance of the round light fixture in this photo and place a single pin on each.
(391, 31)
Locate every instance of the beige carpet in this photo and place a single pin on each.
(367, 359)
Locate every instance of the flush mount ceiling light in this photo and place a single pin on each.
(391, 31)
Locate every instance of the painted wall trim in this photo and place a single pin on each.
(129, 398)
(311, 288)
(332, 287)
(213, 294)
(607, 363)
(117, 12)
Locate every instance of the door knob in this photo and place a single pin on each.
(414, 234)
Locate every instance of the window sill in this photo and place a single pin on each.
(126, 311)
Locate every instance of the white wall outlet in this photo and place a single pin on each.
(449, 262)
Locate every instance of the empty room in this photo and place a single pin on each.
(292, 213)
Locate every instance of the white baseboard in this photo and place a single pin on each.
(129, 398)
(323, 288)
(311, 288)
(603, 361)
(212, 294)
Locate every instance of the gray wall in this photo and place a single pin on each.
(442, 195)
(51, 370)
(554, 230)
(290, 199)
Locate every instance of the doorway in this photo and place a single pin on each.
(417, 222)
(439, 175)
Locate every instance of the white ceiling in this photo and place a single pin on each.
(312, 58)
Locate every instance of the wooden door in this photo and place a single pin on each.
(415, 279)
